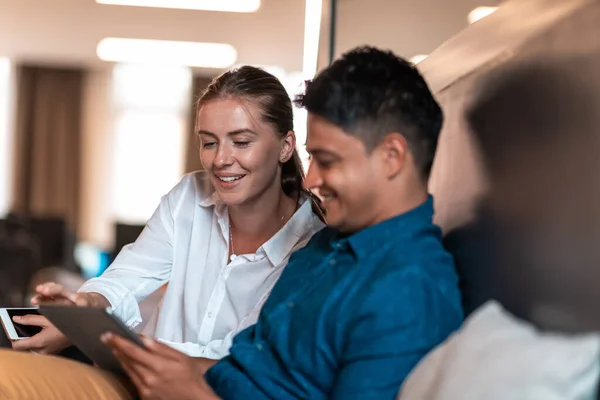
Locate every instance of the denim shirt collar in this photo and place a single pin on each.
(379, 236)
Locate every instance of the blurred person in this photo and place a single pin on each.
(535, 124)
(529, 262)
(220, 238)
(369, 296)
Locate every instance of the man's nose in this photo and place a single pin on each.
(313, 177)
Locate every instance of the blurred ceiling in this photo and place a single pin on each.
(67, 31)
(407, 27)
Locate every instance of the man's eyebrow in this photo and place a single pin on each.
(321, 152)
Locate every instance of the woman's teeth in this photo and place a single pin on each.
(230, 178)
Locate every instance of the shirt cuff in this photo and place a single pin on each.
(123, 303)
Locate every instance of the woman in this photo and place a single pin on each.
(221, 237)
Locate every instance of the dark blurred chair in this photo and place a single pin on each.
(19, 261)
(51, 234)
(54, 239)
(124, 235)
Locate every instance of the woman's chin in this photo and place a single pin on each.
(232, 199)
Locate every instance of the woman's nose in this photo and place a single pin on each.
(224, 156)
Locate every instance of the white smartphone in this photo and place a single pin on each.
(16, 331)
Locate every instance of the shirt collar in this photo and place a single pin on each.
(211, 200)
(280, 245)
(220, 208)
(372, 238)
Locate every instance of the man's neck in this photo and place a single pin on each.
(400, 201)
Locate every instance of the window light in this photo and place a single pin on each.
(6, 103)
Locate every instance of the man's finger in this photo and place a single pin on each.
(142, 377)
(130, 370)
(161, 349)
(132, 351)
(32, 319)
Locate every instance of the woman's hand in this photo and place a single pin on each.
(50, 340)
(160, 372)
(53, 293)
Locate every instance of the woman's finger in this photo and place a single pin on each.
(39, 300)
(32, 319)
(51, 292)
(80, 299)
(49, 289)
(31, 343)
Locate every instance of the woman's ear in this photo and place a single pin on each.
(288, 145)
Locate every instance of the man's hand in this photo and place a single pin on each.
(160, 372)
(50, 340)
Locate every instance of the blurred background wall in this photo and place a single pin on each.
(93, 131)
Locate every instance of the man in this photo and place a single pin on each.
(369, 296)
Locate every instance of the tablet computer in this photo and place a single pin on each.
(85, 325)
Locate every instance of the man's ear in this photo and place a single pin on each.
(394, 150)
(288, 145)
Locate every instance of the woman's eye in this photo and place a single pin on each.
(241, 143)
(208, 145)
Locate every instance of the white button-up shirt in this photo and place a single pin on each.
(185, 243)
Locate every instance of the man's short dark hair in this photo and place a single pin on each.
(370, 93)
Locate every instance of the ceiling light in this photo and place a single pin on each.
(191, 54)
(418, 58)
(206, 5)
(479, 13)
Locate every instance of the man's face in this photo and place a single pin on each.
(344, 175)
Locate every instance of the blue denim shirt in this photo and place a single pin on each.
(350, 316)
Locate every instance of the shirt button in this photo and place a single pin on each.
(291, 304)
(332, 262)
(210, 315)
(259, 346)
